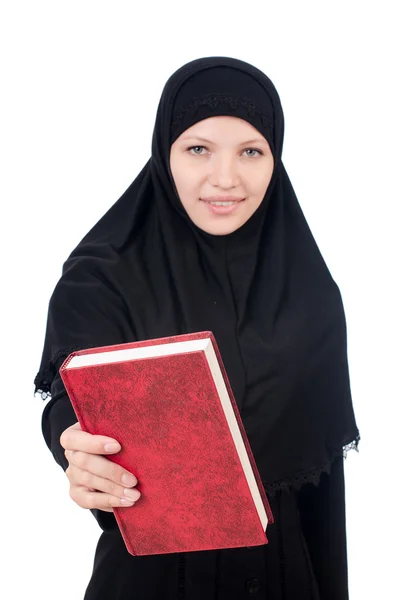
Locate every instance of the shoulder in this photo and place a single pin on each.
(86, 279)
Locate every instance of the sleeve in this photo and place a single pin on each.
(86, 310)
(322, 511)
(58, 415)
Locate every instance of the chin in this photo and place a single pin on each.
(219, 228)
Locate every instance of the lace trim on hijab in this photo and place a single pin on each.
(213, 101)
(297, 481)
(45, 377)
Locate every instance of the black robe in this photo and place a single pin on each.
(145, 271)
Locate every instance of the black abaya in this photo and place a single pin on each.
(145, 271)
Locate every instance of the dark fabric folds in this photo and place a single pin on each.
(146, 271)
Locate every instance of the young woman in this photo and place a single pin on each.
(210, 236)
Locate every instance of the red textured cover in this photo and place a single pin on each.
(166, 414)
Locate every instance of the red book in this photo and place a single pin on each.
(169, 403)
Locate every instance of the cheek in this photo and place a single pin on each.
(188, 182)
(263, 179)
(187, 185)
(257, 184)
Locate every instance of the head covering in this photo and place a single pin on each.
(146, 270)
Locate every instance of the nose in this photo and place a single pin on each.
(224, 173)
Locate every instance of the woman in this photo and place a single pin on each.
(210, 236)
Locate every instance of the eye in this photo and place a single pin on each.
(199, 151)
(195, 148)
(258, 152)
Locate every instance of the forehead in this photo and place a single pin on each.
(225, 127)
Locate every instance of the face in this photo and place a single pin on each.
(222, 167)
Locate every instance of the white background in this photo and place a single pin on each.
(80, 83)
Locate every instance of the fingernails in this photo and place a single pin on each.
(127, 501)
(133, 494)
(112, 447)
(129, 479)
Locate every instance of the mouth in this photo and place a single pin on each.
(222, 205)
(222, 200)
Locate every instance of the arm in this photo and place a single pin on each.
(79, 317)
(58, 415)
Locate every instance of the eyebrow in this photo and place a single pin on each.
(201, 139)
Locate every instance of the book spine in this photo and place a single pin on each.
(67, 380)
(243, 433)
(69, 388)
(67, 360)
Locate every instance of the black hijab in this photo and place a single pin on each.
(146, 271)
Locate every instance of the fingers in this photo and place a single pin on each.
(96, 481)
(73, 438)
(79, 477)
(88, 499)
(101, 467)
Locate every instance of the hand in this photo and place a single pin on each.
(96, 481)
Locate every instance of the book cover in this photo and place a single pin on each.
(200, 486)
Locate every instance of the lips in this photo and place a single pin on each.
(222, 205)
(222, 199)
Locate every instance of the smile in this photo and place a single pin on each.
(223, 207)
(223, 203)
